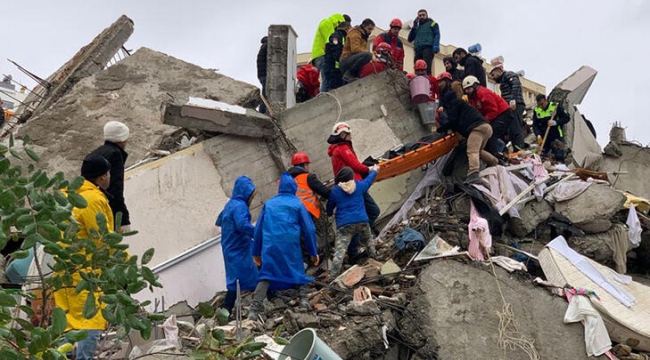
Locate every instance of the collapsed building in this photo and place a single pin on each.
(194, 131)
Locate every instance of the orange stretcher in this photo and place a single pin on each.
(416, 158)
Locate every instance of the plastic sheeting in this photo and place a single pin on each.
(634, 226)
(432, 177)
(567, 191)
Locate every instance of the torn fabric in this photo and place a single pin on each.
(634, 226)
(597, 340)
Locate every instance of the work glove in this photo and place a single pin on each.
(257, 260)
(436, 49)
(315, 260)
(513, 105)
(374, 168)
(540, 139)
(465, 98)
(552, 123)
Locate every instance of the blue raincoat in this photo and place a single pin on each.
(236, 237)
(277, 237)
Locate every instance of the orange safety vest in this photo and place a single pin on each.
(307, 195)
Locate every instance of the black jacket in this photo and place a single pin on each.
(511, 89)
(460, 116)
(312, 180)
(455, 72)
(474, 66)
(117, 157)
(261, 61)
(333, 50)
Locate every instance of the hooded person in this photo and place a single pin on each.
(116, 135)
(282, 223)
(472, 65)
(96, 173)
(237, 241)
(451, 66)
(351, 217)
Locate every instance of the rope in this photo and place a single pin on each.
(509, 336)
(338, 118)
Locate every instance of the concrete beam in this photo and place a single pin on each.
(210, 115)
(281, 67)
(89, 60)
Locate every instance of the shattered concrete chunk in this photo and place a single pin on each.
(597, 202)
(533, 214)
(365, 308)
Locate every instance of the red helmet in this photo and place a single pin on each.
(300, 158)
(444, 75)
(383, 47)
(420, 65)
(396, 23)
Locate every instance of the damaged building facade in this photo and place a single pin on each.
(194, 132)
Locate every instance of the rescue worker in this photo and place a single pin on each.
(276, 248)
(391, 37)
(351, 217)
(463, 118)
(308, 83)
(342, 154)
(420, 68)
(355, 50)
(496, 111)
(452, 68)
(237, 241)
(325, 28)
(542, 120)
(425, 36)
(308, 183)
(446, 83)
(261, 69)
(382, 62)
(473, 65)
(511, 91)
(96, 171)
(116, 135)
(333, 51)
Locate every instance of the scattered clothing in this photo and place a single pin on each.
(510, 265)
(634, 226)
(567, 191)
(410, 236)
(617, 239)
(597, 339)
(502, 187)
(480, 239)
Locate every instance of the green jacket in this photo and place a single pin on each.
(325, 28)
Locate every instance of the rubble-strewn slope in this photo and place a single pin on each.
(458, 310)
(131, 91)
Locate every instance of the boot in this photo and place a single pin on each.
(254, 311)
(348, 77)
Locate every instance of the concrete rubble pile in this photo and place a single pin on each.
(402, 305)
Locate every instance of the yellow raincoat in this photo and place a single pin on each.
(66, 298)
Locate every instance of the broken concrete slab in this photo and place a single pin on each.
(214, 116)
(91, 59)
(631, 169)
(132, 92)
(533, 214)
(599, 201)
(457, 312)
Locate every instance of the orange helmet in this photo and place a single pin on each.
(300, 158)
(383, 47)
(420, 65)
(396, 23)
(444, 75)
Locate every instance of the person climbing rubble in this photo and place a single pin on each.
(446, 83)
(331, 65)
(116, 135)
(425, 36)
(276, 247)
(325, 28)
(542, 121)
(355, 50)
(473, 65)
(511, 92)
(391, 37)
(452, 68)
(237, 241)
(463, 118)
(381, 62)
(496, 111)
(96, 171)
(347, 198)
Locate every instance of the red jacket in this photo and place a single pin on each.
(309, 76)
(396, 44)
(373, 67)
(343, 155)
(488, 103)
(434, 90)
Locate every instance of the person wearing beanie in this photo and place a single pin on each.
(95, 170)
(116, 135)
(452, 68)
(347, 197)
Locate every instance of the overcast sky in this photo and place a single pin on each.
(547, 39)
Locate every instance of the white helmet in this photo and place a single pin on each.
(340, 127)
(470, 81)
